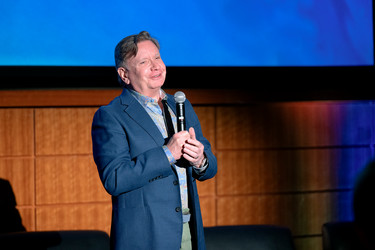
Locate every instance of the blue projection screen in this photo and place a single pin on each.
(191, 33)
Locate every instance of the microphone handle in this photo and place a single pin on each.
(181, 125)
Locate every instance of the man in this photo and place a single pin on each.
(150, 175)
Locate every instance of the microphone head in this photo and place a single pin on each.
(179, 97)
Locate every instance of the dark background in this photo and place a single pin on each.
(270, 83)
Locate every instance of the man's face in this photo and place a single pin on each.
(146, 71)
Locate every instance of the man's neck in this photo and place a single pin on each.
(156, 94)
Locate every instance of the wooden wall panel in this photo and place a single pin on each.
(286, 163)
(207, 187)
(19, 173)
(16, 132)
(307, 124)
(61, 131)
(275, 171)
(303, 213)
(68, 179)
(206, 117)
(96, 216)
(28, 217)
(207, 197)
(208, 209)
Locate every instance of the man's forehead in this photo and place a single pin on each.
(145, 52)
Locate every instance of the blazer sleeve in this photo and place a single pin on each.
(118, 171)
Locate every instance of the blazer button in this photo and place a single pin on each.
(178, 209)
(175, 183)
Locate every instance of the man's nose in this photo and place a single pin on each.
(155, 65)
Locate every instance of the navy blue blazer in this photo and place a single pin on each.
(146, 203)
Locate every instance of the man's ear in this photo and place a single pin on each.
(123, 73)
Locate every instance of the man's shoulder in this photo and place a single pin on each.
(113, 104)
(119, 101)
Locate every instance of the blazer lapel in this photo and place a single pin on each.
(135, 110)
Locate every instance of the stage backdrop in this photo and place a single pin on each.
(191, 33)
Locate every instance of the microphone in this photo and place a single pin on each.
(180, 98)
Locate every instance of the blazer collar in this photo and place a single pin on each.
(135, 110)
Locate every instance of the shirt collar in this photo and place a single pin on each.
(144, 100)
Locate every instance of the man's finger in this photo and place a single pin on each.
(192, 133)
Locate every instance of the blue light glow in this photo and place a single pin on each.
(191, 33)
